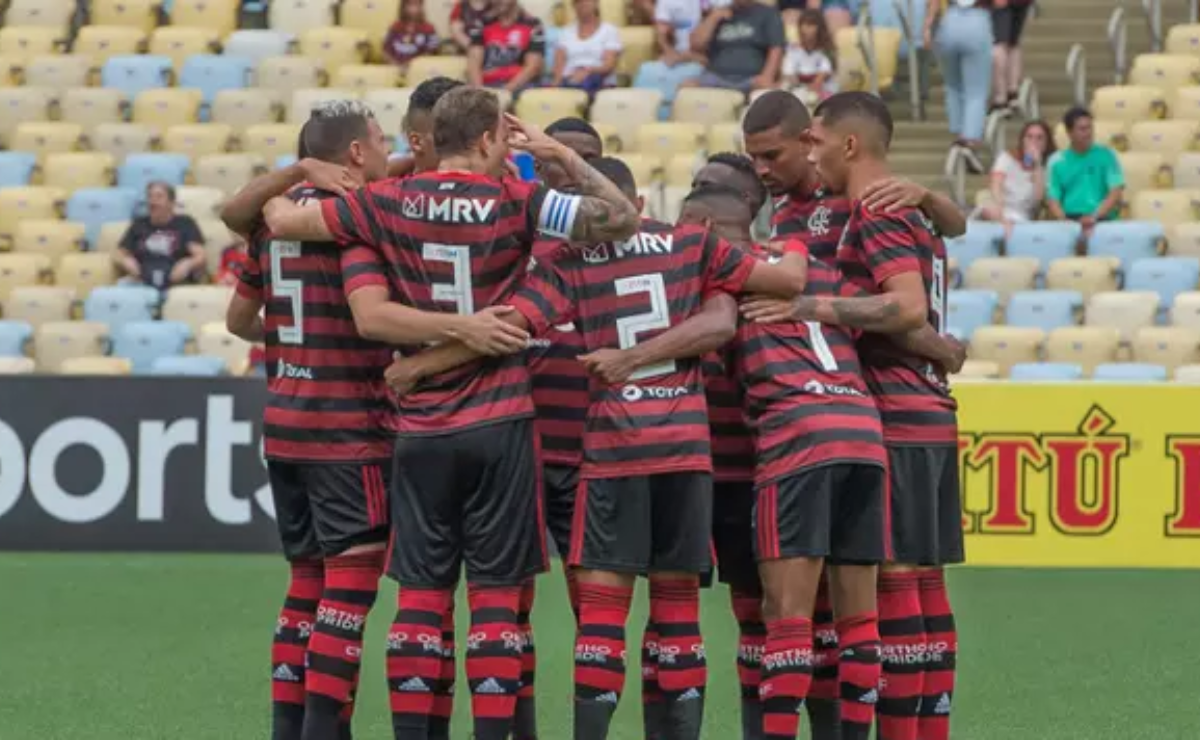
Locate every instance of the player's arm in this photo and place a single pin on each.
(785, 278)
(243, 213)
(925, 341)
(901, 307)
(893, 193)
(243, 317)
(288, 220)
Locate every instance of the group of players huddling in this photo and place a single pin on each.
(650, 394)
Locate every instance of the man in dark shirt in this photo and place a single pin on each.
(162, 248)
(744, 42)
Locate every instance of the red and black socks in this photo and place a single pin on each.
(682, 664)
(652, 698)
(415, 659)
(292, 631)
(443, 692)
(525, 720)
(494, 659)
(752, 639)
(821, 703)
(902, 632)
(787, 676)
(599, 657)
(858, 674)
(941, 655)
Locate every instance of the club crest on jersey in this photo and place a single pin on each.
(818, 221)
(447, 210)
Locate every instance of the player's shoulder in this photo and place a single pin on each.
(306, 191)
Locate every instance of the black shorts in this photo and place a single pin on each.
(470, 498)
(323, 509)
(833, 511)
(925, 505)
(559, 485)
(644, 524)
(1008, 22)
(733, 536)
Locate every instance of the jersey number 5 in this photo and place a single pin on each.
(289, 290)
(658, 317)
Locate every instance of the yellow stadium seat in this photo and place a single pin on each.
(1184, 240)
(221, 16)
(196, 305)
(59, 71)
(664, 203)
(50, 237)
(10, 71)
(38, 304)
(217, 237)
(646, 168)
(390, 105)
(99, 43)
(1168, 138)
(226, 172)
(53, 14)
(1086, 346)
(1115, 133)
(215, 340)
(140, 14)
(56, 342)
(199, 201)
(303, 101)
(110, 236)
(282, 75)
(1129, 103)
(23, 43)
(123, 139)
(1125, 310)
(1185, 104)
(680, 168)
(707, 105)
(181, 42)
(1169, 346)
(20, 204)
(372, 16)
(627, 110)
(17, 366)
(1185, 310)
(366, 77)
(726, 137)
(637, 49)
(1166, 206)
(886, 45)
(22, 268)
(271, 140)
(198, 139)
(1145, 170)
(297, 16)
(1006, 345)
(1004, 275)
(74, 170)
(19, 105)
(164, 107)
(609, 136)
(82, 271)
(334, 46)
(1165, 71)
(47, 137)
(1184, 38)
(1186, 174)
(91, 106)
(1187, 374)
(423, 68)
(101, 366)
(665, 139)
(1086, 275)
(543, 106)
(973, 370)
(242, 108)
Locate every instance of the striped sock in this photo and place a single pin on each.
(787, 675)
(902, 631)
(415, 659)
(752, 638)
(493, 659)
(941, 638)
(599, 657)
(443, 692)
(858, 674)
(823, 694)
(292, 631)
(525, 720)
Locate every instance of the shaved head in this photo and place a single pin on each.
(861, 114)
(722, 209)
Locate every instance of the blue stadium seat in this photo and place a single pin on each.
(117, 305)
(957, 332)
(140, 169)
(970, 309)
(135, 73)
(212, 73)
(197, 365)
(1043, 309)
(14, 335)
(983, 239)
(94, 207)
(1045, 241)
(257, 45)
(1041, 371)
(16, 169)
(1167, 276)
(1128, 241)
(143, 342)
(1129, 372)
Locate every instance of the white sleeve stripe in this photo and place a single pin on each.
(557, 215)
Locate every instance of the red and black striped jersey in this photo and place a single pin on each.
(806, 399)
(911, 392)
(815, 217)
(560, 385)
(732, 443)
(454, 242)
(328, 401)
(619, 294)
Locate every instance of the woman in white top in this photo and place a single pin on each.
(1018, 184)
(585, 56)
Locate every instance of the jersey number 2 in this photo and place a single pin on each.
(290, 290)
(658, 317)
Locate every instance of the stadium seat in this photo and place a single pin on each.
(297, 16)
(1086, 346)
(16, 168)
(99, 44)
(1126, 310)
(226, 172)
(638, 47)
(22, 268)
(259, 44)
(1037, 372)
(1188, 374)
(284, 75)
(664, 203)
(198, 139)
(303, 101)
(1126, 241)
(83, 271)
(55, 342)
(22, 43)
(707, 105)
(117, 305)
(334, 46)
(189, 365)
(1185, 310)
(17, 366)
(971, 309)
(271, 140)
(977, 370)
(243, 108)
(47, 137)
(725, 137)
(14, 338)
(217, 237)
(1128, 103)
(1043, 309)
(181, 42)
(50, 237)
(1114, 133)
(19, 204)
(851, 65)
(626, 109)
(367, 77)
(372, 16)
(90, 107)
(389, 105)
(123, 139)
(982, 239)
(135, 74)
(38, 304)
(423, 68)
(143, 342)
(1184, 240)
(20, 105)
(1129, 372)
(96, 366)
(679, 170)
(94, 207)
(1004, 275)
(1169, 346)
(1168, 138)
(74, 170)
(168, 106)
(199, 202)
(216, 341)
(220, 16)
(1183, 38)
(1166, 276)
(1168, 207)
(1186, 172)
(1185, 105)
(1044, 241)
(141, 169)
(1165, 71)
(665, 139)
(140, 14)
(212, 73)
(1145, 170)
(543, 106)
(196, 305)
(1006, 345)
(108, 236)
(646, 168)
(59, 72)
(1086, 275)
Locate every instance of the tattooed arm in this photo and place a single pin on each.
(902, 307)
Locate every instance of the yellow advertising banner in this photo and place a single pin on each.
(1080, 474)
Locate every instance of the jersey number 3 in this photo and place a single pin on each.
(290, 290)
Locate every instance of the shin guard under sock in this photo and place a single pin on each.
(902, 632)
(292, 632)
(941, 639)
(787, 676)
(652, 698)
(599, 657)
(414, 660)
(821, 703)
(443, 693)
(858, 674)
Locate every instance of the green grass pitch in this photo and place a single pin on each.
(151, 647)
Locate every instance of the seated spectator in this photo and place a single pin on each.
(744, 43)
(466, 17)
(411, 35)
(162, 248)
(1018, 183)
(674, 21)
(808, 65)
(1084, 182)
(234, 260)
(508, 52)
(587, 50)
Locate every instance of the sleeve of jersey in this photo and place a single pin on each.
(362, 267)
(351, 218)
(554, 213)
(891, 246)
(545, 298)
(250, 279)
(728, 267)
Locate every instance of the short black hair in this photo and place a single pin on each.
(573, 125)
(1073, 116)
(330, 128)
(862, 106)
(777, 108)
(713, 194)
(618, 173)
(745, 166)
(163, 185)
(426, 95)
(461, 117)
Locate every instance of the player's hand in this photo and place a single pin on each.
(529, 138)
(763, 309)
(488, 334)
(328, 176)
(958, 354)
(402, 376)
(892, 194)
(610, 365)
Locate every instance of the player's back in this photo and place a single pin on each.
(328, 400)
(732, 445)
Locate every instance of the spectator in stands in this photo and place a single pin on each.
(1018, 183)
(585, 56)
(467, 17)
(1008, 20)
(1084, 181)
(744, 42)
(411, 35)
(162, 248)
(674, 21)
(963, 45)
(808, 66)
(508, 52)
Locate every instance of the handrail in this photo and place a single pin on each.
(866, 44)
(1077, 73)
(1118, 41)
(1194, 12)
(955, 171)
(1029, 100)
(1154, 20)
(995, 130)
(907, 14)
